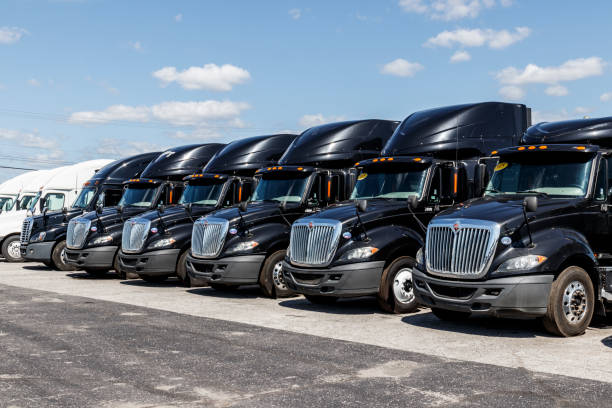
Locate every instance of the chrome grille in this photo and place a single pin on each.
(135, 232)
(78, 228)
(313, 241)
(26, 230)
(462, 248)
(208, 237)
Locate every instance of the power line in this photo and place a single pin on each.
(15, 168)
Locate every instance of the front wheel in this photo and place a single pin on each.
(181, 270)
(271, 278)
(570, 304)
(396, 293)
(11, 249)
(58, 258)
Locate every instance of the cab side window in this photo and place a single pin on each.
(54, 201)
(314, 198)
(600, 186)
(110, 197)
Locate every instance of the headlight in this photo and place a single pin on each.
(521, 263)
(104, 239)
(420, 259)
(360, 253)
(38, 237)
(162, 243)
(243, 246)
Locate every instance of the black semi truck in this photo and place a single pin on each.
(155, 244)
(367, 246)
(43, 238)
(93, 240)
(246, 244)
(539, 243)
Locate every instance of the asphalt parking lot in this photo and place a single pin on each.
(72, 340)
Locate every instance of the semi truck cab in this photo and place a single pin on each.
(435, 158)
(537, 244)
(93, 239)
(155, 244)
(246, 244)
(43, 237)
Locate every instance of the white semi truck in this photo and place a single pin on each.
(50, 190)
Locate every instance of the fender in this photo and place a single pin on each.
(394, 241)
(270, 235)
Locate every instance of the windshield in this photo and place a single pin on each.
(26, 201)
(282, 190)
(561, 175)
(203, 194)
(139, 196)
(397, 185)
(84, 198)
(5, 203)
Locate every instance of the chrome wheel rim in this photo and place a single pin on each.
(63, 256)
(575, 302)
(14, 250)
(402, 286)
(277, 276)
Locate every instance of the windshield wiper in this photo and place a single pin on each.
(493, 190)
(533, 192)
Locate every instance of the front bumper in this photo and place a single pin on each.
(92, 258)
(162, 262)
(38, 251)
(515, 296)
(357, 279)
(236, 270)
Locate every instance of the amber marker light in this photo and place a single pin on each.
(301, 168)
(580, 148)
(418, 159)
(532, 147)
(494, 152)
(521, 148)
(390, 159)
(374, 161)
(543, 147)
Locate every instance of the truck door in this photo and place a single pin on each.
(598, 213)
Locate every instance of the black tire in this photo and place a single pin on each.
(570, 304)
(154, 278)
(271, 279)
(117, 267)
(10, 248)
(396, 294)
(450, 315)
(222, 287)
(181, 270)
(57, 258)
(98, 273)
(48, 264)
(321, 300)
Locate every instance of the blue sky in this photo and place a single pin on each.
(94, 78)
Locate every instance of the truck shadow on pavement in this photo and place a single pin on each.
(38, 268)
(480, 326)
(163, 284)
(349, 306)
(85, 275)
(246, 292)
(607, 342)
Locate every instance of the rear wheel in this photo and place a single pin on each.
(11, 249)
(321, 300)
(570, 304)
(154, 278)
(271, 278)
(181, 270)
(58, 258)
(396, 293)
(449, 315)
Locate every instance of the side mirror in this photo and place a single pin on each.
(530, 203)
(119, 209)
(64, 210)
(99, 208)
(413, 201)
(282, 206)
(243, 206)
(44, 211)
(482, 178)
(189, 207)
(161, 208)
(361, 205)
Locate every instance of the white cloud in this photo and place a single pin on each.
(177, 113)
(123, 148)
(447, 9)
(460, 56)
(556, 90)
(512, 93)
(582, 110)
(402, 68)
(112, 114)
(540, 116)
(199, 134)
(178, 18)
(33, 82)
(605, 97)
(570, 70)
(295, 13)
(477, 37)
(28, 139)
(135, 45)
(308, 121)
(10, 35)
(210, 77)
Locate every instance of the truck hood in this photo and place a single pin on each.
(111, 216)
(346, 212)
(54, 218)
(176, 214)
(507, 211)
(256, 213)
